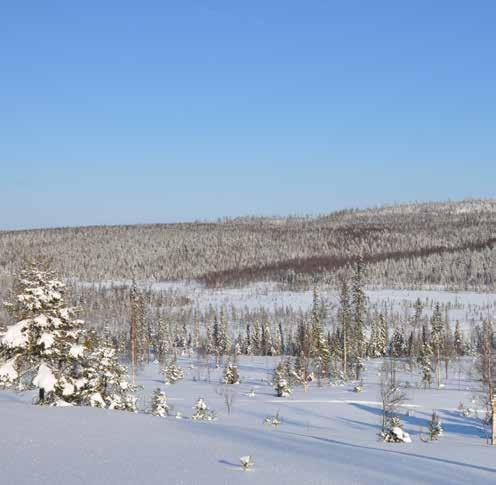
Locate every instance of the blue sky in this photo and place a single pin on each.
(159, 111)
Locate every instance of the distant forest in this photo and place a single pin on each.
(448, 244)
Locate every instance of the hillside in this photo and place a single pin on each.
(447, 243)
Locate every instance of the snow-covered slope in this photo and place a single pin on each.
(328, 435)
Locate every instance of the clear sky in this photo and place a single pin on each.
(159, 111)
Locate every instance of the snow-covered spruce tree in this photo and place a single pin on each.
(105, 380)
(397, 344)
(202, 413)
(320, 345)
(486, 367)
(345, 322)
(435, 427)
(43, 349)
(378, 338)
(358, 300)
(159, 403)
(458, 340)
(163, 340)
(437, 326)
(280, 381)
(425, 363)
(172, 372)
(395, 433)
(231, 375)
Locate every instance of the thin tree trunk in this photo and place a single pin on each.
(493, 435)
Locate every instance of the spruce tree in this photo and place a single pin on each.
(280, 381)
(345, 324)
(435, 427)
(201, 411)
(160, 406)
(458, 340)
(358, 315)
(425, 363)
(44, 348)
(231, 375)
(105, 379)
(172, 372)
(437, 327)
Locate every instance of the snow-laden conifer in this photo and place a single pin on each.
(172, 372)
(435, 427)
(47, 349)
(160, 406)
(43, 349)
(201, 411)
(105, 380)
(231, 375)
(280, 381)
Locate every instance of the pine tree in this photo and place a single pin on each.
(160, 406)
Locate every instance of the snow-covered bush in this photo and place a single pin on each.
(394, 432)
(273, 420)
(159, 403)
(246, 462)
(201, 411)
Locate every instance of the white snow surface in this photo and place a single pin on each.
(328, 435)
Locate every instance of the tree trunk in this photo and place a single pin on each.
(493, 435)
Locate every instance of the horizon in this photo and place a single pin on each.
(222, 219)
(122, 114)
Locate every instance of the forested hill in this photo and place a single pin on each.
(448, 243)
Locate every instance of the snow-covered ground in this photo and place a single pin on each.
(328, 435)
